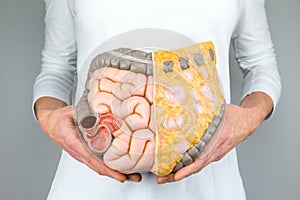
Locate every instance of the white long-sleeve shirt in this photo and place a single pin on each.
(76, 30)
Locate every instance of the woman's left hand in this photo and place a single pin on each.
(239, 123)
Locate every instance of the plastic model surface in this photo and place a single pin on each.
(152, 111)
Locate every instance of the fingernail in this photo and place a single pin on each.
(134, 178)
(161, 182)
(170, 178)
(179, 178)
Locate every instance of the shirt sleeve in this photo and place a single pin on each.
(255, 52)
(58, 62)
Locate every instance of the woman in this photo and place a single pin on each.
(75, 28)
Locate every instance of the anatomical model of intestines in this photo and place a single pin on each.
(151, 112)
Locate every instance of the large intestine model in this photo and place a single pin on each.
(154, 111)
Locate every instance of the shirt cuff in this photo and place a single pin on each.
(267, 84)
(44, 91)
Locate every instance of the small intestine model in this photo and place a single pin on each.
(151, 112)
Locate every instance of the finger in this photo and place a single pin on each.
(218, 156)
(136, 177)
(165, 179)
(185, 171)
(193, 168)
(102, 169)
(206, 157)
(98, 165)
(92, 161)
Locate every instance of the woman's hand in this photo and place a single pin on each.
(57, 121)
(239, 122)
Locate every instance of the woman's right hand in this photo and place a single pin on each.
(57, 121)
